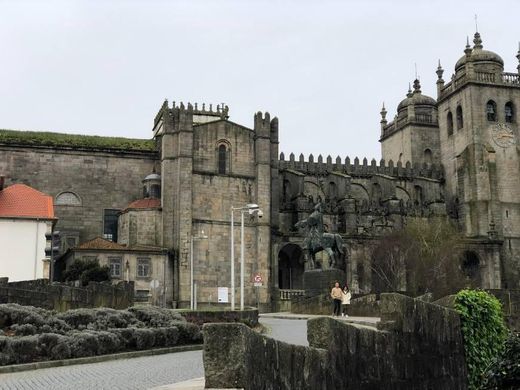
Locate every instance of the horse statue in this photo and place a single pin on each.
(316, 240)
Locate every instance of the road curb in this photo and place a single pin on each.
(96, 359)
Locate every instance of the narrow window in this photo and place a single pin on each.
(509, 112)
(460, 119)
(428, 156)
(110, 217)
(449, 123)
(507, 213)
(491, 111)
(143, 267)
(222, 156)
(155, 191)
(333, 192)
(115, 267)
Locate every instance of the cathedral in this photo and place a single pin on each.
(158, 211)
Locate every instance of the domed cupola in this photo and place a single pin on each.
(416, 99)
(482, 60)
(152, 186)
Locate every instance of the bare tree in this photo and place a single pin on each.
(423, 257)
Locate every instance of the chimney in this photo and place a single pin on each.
(2, 178)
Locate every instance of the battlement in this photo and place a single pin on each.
(357, 168)
(201, 113)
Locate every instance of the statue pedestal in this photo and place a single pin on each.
(319, 281)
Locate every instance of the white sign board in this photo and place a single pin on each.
(257, 280)
(223, 294)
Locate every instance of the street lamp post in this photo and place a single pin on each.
(251, 208)
(192, 295)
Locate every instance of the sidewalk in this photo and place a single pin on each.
(367, 321)
(192, 384)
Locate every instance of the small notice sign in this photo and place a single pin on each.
(223, 294)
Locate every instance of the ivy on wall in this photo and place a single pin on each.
(483, 329)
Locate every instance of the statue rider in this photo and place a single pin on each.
(315, 226)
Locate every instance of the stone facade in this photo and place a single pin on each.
(202, 164)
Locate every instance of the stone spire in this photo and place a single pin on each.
(477, 41)
(383, 115)
(518, 57)
(439, 71)
(467, 50)
(409, 94)
(416, 86)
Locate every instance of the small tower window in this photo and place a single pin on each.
(155, 191)
(509, 113)
(449, 120)
(222, 159)
(460, 119)
(428, 156)
(491, 111)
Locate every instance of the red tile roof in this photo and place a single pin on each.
(101, 243)
(20, 200)
(147, 203)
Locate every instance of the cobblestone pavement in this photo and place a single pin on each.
(135, 373)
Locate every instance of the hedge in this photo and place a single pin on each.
(483, 330)
(30, 334)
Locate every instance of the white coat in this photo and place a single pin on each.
(345, 300)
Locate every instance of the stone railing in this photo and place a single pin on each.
(287, 295)
(417, 346)
(481, 77)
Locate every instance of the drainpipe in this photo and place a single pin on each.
(36, 248)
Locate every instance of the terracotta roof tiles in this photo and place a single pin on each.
(21, 201)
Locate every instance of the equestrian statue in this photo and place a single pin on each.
(317, 240)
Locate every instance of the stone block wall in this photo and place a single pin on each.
(417, 346)
(63, 297)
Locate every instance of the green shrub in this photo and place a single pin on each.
(25, 349)
(83, 344)
(504, 372)
(87, 271)
(483, 329)
(54, 346)
(155, 316)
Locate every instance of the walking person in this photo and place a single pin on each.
(345, 300)
(337, 296)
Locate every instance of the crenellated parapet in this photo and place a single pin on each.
(198, 113)
(357, 168)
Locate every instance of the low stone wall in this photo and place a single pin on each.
(418, 346)
(62, 296)
(249, 316)
(364, 306)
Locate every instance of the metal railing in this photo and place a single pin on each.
(287, 295)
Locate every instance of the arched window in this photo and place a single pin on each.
(509, 112)
(427, 156)
(67, 199)
(460, 119)
(222, 159)
(471, 266)
(449, 124)
(491, 111)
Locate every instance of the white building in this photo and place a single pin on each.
(26, 221)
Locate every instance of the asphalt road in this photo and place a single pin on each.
(136, 373)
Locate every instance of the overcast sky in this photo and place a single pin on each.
(323, 67)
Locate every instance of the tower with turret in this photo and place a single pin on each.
(210, 164)
(478, 126)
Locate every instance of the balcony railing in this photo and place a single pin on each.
(482, 77)
(287, 295)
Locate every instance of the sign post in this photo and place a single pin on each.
(257, 282)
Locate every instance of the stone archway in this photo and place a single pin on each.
(471, 267)
(290, 267)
